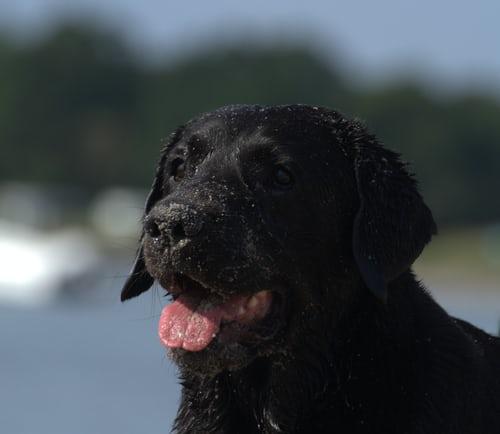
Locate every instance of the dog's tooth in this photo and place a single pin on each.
(262, 295)
(241, 310)
(253, 302)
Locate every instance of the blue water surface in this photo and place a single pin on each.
(85, 368)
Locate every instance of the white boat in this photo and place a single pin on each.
(35, 265)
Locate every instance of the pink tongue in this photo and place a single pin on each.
(191, 324)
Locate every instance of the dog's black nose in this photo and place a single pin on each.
(151, 227)
(173, 223)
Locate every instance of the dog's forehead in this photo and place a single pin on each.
(294, 128)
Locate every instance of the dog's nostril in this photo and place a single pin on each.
(178, 232)
(151, 227)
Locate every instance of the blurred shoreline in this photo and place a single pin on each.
(44, 259)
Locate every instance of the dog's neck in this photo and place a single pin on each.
(379, 355)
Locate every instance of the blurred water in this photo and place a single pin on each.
(80, 368)
(478, 304)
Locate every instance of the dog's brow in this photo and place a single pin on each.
(196, 142)
(266, 149)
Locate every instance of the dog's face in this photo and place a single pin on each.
(261, 227)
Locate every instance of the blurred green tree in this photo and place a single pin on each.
(80, 108)
(70, 109)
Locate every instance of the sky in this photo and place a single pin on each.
(450, 43)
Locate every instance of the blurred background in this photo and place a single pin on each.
(87, 91)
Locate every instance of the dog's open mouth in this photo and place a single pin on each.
(197, 316)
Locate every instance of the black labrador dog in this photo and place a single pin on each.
(285, 236)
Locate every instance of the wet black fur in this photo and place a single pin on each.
(365, 348)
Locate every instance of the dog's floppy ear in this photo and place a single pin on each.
(139, 280)
(393, 224)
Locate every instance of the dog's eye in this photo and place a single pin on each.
(178, 169)
(282, 177)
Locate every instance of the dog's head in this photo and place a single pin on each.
(264, 223)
